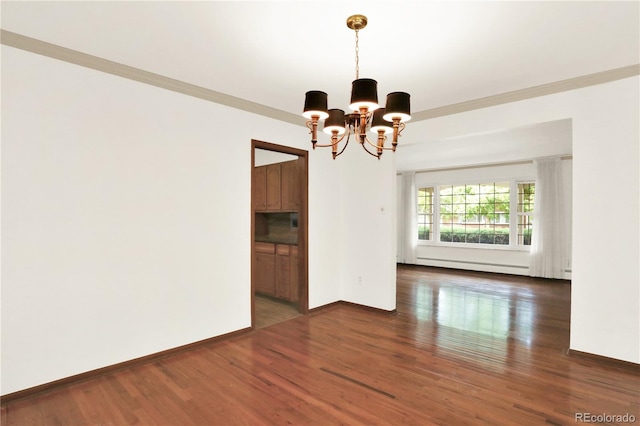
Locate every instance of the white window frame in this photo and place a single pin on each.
(513, 216)
(433, 214)
(518, 214)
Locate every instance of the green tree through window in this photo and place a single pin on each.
(476, 213)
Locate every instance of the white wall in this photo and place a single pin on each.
(368, 224)
(495, 146)
(125, 219)
(605, 297)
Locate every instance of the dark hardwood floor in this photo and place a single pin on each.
(463, 348)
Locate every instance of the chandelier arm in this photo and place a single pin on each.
(386, 148)
(313, 130)
(345, 144)
(397, 132)
(369, 152)
(331, 144)
(365, 118)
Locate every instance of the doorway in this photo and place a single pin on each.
(279, 232)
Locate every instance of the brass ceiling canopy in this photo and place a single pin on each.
(356, 22)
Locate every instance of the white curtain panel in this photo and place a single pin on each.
(409, 199)
(547, 245)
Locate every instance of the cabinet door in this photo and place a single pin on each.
(260, 188)
(290, 186)
(273, 187)
(294, 263)
(266, 273)
(283, 277)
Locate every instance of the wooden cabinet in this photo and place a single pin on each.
(294, 274)
(260, 188)
(289, 187)
(283, 272)
(265, 274)
(276, 188)
(287, 272)
(277, 270)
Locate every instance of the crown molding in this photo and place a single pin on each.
(531, 92)
(55, 51)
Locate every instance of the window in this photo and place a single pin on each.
(425, 213)
(472, 213)
(526, 192)
(477, 213)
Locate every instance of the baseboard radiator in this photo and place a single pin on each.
(477, 266)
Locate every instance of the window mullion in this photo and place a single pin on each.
(436, 213)
(513, 213)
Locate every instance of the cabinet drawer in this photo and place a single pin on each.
(283, 249)
(265, 247)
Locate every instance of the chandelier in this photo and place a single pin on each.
(366, 114)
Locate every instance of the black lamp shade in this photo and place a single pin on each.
(364, 93)
(335, 121)
(315, 103)
(379, 123)
(398, 106)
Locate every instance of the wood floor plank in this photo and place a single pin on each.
(462, 348)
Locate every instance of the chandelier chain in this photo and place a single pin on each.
(357, 56)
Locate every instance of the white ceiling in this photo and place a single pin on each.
(272, 52)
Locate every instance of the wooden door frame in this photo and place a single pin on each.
(303, 223)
